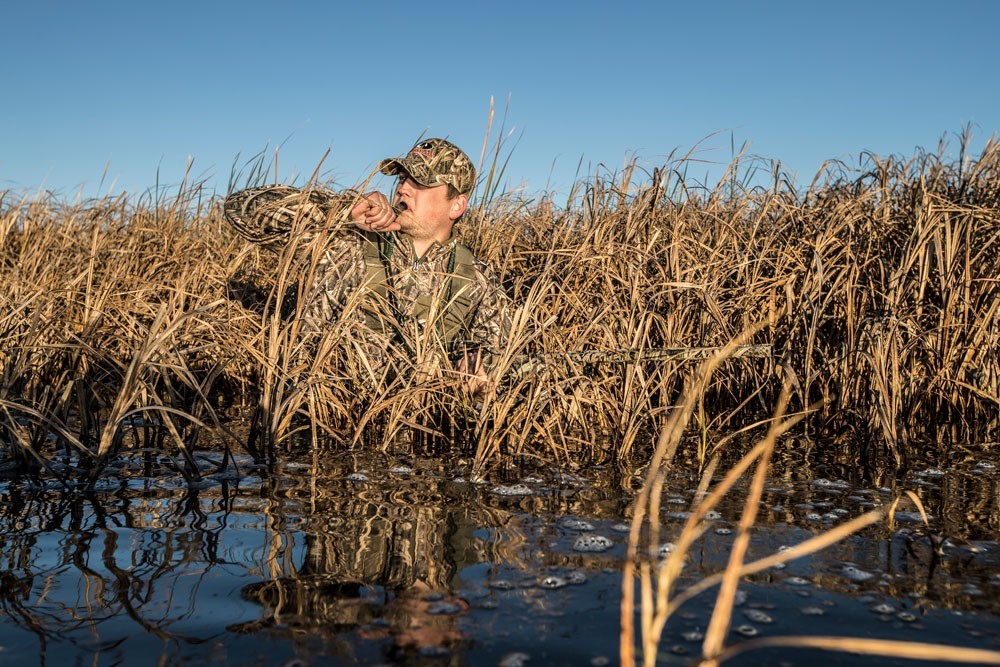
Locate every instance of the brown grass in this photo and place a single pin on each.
(877, 288)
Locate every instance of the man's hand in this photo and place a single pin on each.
(471, 365)
(373, 213)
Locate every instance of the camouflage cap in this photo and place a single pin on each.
(435, 162)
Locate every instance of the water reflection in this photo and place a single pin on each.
(379, 562)
(146, 563)
(91, 569)
(366, 561)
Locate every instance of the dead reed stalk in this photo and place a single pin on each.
(878, 286)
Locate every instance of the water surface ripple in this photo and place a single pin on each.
(339, 560)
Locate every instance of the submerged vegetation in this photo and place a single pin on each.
(148, 325)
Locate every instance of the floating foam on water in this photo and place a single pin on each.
(812, 611)
(758, 616)
(517, 659)
(746, 630)
(552, 581)
(621, 527)
(836, 485)
(592, 543)
(798, 581)
(357, 477)
(512, 490)
(883, 609)
(570, 523)
(852, 573)
(401, 470)
(692, 636)
(666, 549)
(576, 577)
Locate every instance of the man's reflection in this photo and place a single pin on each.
(380, 565)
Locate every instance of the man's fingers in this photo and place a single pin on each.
(377, 200)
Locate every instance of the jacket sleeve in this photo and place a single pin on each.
(269, 215)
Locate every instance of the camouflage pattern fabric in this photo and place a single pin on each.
(268, 214)
(434, 162)
(416, 309)
(415, 304)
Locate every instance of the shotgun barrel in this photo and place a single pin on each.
(760, 351)
(532, 363)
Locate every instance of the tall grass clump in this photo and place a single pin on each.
(111, 316)
(878, 288)
(142, 321)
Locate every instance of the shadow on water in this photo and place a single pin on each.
(338, 559)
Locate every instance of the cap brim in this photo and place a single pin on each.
(391, 166)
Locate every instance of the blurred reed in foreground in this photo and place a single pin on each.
(656, 568)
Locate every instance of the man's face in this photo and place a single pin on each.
(425, 208)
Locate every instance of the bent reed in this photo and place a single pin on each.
(877, 288)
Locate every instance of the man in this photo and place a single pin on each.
(397, 265)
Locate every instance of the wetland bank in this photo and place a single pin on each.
(189, 478)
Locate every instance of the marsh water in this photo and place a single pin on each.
(342, 558)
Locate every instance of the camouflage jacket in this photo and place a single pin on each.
(446, 301)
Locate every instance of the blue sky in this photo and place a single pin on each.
(127, 92)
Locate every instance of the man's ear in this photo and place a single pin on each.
(458, 206)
